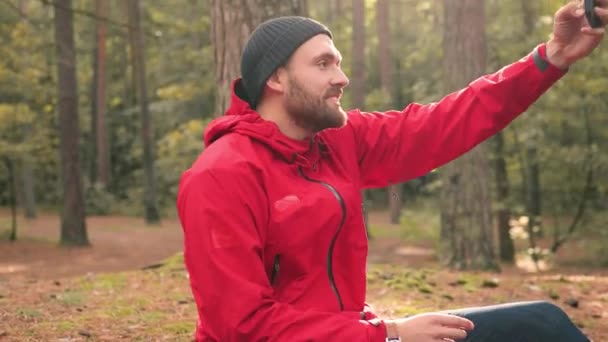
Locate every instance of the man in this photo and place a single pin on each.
(275, 244)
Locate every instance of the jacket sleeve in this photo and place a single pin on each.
(223, 215)
(396, 146)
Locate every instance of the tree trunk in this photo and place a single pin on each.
(358, 77)
(386, 79)
(533, 192)
(151, 212)
(91, 159)
(232, 23)
(357, 83)
(103, 167)
(130, 92)
(29, 195)
(73, 226)
(533, 198)
(26, 181)
(506, 246)
(10, 166)
(466, 217)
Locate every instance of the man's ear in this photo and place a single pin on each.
(277, 80)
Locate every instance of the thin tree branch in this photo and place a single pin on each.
(92, 15)
(558, 242)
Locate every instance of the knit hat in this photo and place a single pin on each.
(270, 46)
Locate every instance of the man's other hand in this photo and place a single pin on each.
(573, 38)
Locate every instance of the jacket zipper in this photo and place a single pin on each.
(330, 270)
(275, 268)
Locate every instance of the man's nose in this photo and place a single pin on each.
(340, 78)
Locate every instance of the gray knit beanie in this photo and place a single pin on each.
(270, 46)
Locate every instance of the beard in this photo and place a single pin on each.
(311, 112)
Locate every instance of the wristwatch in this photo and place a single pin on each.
(392, 334)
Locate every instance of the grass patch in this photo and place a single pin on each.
(72, 298)
(153, 316)
(65, 326)
(105, 282)
(179, 328)
(29, 314)
(174, 262)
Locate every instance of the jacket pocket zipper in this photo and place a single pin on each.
(330, 266)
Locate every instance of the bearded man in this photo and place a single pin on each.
(274, 238)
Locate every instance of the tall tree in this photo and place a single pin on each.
(357, 82)
(385, 61)
(151, 211)
(27, 169)
(506, 245)
(532, 185)
(103, 169)
(232, 23)
(73, 225)
(466, 224)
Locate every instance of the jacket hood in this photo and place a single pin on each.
(240, 118)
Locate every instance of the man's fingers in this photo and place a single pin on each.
(602, 12)
(593, 31)
(458, 322)
(451, 334)
(602, 3)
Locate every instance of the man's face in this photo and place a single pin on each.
(315, 84)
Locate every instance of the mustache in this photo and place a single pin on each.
(334, 91)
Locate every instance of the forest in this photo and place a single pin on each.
(103, 105)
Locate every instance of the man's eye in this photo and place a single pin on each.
(322, 64)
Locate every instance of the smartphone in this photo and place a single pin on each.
(592, 18)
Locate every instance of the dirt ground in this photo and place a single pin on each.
(117, 244)
(120, 243)
(35, 268)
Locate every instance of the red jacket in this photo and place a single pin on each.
(275, 243)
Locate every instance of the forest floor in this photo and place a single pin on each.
(130, 284)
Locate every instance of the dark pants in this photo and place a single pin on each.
(537, 321)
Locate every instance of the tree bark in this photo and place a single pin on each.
(466, 217)
(27, 173)
(103, 167)
(10, 166)
(73, 226)
(506, 246)
(151, 211)
(29, 195)
(91, 159)
(232, 23)
(386, 79)
(357, 83)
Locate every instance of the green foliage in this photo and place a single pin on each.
(99, 201)
(181, 83)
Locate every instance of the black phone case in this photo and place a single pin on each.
(592, 18)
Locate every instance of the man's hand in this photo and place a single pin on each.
(430, 327)
(573, 38)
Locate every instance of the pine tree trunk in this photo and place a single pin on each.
(357, 82)
(466, 217)
(533, 191)
(103, 167)
(151, 211)
(506, 246)
(386, 79)
(29, 195)
(10, 166)
(73, 226)
(232, 23)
